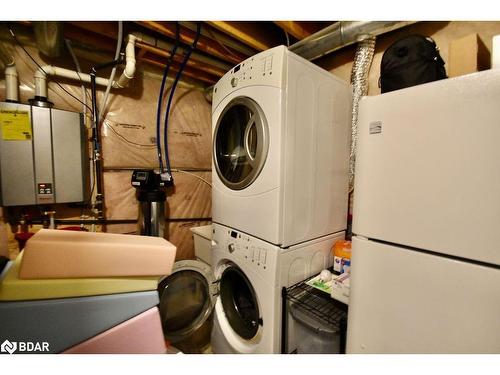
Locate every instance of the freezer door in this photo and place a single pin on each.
(427, 171)
(405, 301)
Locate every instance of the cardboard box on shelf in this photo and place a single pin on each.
(468, 55)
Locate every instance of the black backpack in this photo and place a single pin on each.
(410, 61)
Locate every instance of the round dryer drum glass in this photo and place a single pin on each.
(184, 302)
(240, 143)
(239, 303)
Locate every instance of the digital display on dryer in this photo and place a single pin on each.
(234, 234)
(236, 68)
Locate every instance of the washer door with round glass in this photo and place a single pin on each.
(239, 302)
(187, 299)
(241, 142)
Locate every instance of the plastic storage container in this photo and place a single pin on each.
(203, 242)
(314, 336)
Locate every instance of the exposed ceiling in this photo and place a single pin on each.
(221, 44)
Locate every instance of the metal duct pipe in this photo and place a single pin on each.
(49, 37)
(341, 34)
(359, 81)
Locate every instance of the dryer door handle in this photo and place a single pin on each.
(259, 322)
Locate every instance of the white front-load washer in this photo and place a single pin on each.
(280, 128)
(250, 275)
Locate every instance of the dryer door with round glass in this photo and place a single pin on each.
(239, 303)
(241, 142)
(187, 299)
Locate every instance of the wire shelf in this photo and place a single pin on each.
(318, 303)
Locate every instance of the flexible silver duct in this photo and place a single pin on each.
(359, 80)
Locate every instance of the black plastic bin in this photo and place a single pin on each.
(318, 322)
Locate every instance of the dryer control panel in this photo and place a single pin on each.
(265, 68)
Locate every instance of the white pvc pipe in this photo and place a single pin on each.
(128, 72)
(50, 70)
(40, 77)
(11, 86)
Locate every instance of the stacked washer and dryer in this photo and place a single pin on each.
(281, 136)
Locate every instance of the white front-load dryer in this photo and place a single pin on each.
(280, 128)
(250, 275)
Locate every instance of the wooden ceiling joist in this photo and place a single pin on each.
(178, 58)
(188, 72)
(221, 38)
(298, 30)
(108, 29)
(258, 36)
(89, 39)
(187, 36)
(94, 31)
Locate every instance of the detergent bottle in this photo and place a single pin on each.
(341, 256)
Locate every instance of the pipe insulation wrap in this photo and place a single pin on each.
(359, 81)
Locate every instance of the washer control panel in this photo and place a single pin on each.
(256, 253)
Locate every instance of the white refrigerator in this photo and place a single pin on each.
(426, 220)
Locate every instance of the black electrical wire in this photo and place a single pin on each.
(95, 111)
(96, 135)
(93, 88)
(77, 66)
(172, 90)
(38, 65)
(160, 98)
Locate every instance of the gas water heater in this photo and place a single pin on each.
(43, 155)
